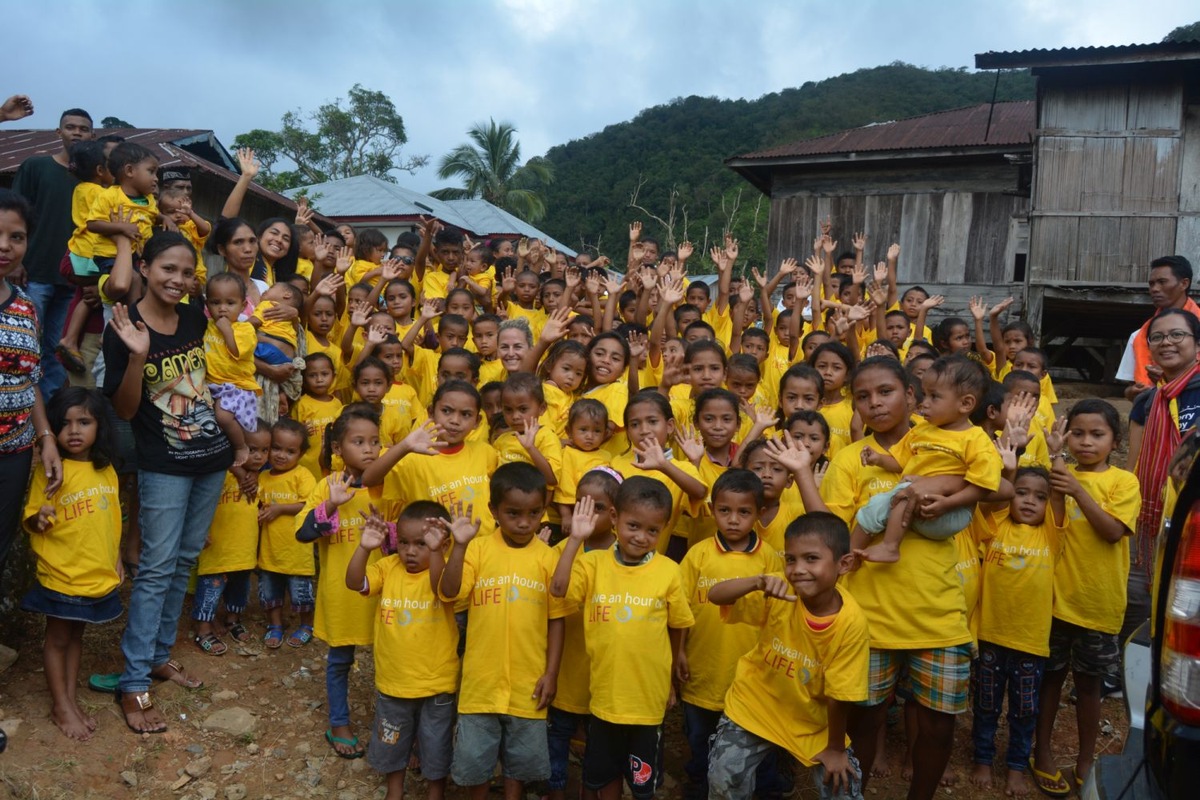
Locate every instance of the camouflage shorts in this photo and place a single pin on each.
(1085, 651)
(733, 758)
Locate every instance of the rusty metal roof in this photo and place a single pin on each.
(1012, 123)
(1089, 56)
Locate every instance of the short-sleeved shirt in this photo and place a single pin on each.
(455, 475)
(175, 427)
(278, 549)
(225, 368)
(233, 536)
(930, 451)
(1017, 602)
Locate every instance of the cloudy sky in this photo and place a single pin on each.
(556, 69)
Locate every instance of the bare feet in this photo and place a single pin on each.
(881, 553)
(87, 718)
(949, 777)
(1017, 784)
(981, 775)
(906, 770)
(70, 722)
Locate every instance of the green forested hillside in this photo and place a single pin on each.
(677, 151)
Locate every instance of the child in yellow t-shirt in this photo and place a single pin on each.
(834, 361)
(484, 332)
(277, 338)
(447, 249)
(712, 648)
(946, 445)
(229, 348)
(562, 372)
(587, 425)
(635, 611)
(316, 408)
(568, 712)
(1014, 621)
(414, 696)
(88, 164)
(175, 203)
(75, 535)
(526, 439)
(809, 663)
(283, 562)
(514, 633)
(231, 553)
(477, 276)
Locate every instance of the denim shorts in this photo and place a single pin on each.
(483, 739)
(41, 600)
(399, 722)
(271, 586)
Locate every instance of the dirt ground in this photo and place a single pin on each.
(285, 756)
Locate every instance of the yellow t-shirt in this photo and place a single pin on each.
(143, 214)
(838, 417)
(78, 554)
(343, 617)
(1090, 577)
(278, 550)
(700, 524)
(558, 408)
(930, 451)
(221, 366)
(713, 646)
(461, 476)
(1018, 585)
(627, 611)
(575, 464)
(421, 372)
(722, 324)
(508, 589)
(680, 502)
(403, 400)
(304, 268)
(1037, 453)
(82, 198)
(614, 397)
(412, 619)
(490, 371)
(435, 284)
(281, 329)
(780, 688)
(511, 450)
(315, 414)
(233, 536)
(791, 506)
(192, 234)
(970, 550)
(535, 316)
(574, 687)
(358, 271)
(916, 603)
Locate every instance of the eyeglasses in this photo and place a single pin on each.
(1174, 337)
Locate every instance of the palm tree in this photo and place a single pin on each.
(491, 169)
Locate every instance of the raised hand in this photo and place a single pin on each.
(556, 325)
(134, 335)
(690, 443)
(340, 490)
(815, 264)
(613, 285)
(360, 312)
(1008, 453)
(759, 278)
(860, 312)
(788, 454)
(247, 162)
(304, 213)
(636, 252)
(1002, 306)
(345, 259)
(826, 226)
(978, 308)
(1056, 435)
(649, 278)
(374, 532)
(429, 311)
(429, 228)
(463, 527)
(930, 303)
(859, 240)
(391, 269)
(16, 107)
(881, 272)
(893, 252)
(828, 245)
(789, 266)
(528, 437)
(745, 292)
(320, 248)
(592, 286)
(638, 343)
(858, 275)
(584, 518)
(731, 248)
(650, 454)
(423, 439)
(329, 285)
(435, 535)
(684, 251)
(574, 279)
(635, 231)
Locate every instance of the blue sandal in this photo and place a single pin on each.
(273, 638)
(302, 636)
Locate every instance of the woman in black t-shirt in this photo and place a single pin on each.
(154, 352)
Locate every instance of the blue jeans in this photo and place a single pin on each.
(234, 587)
(176, 513)
(272, 585)
(699, 726)
(51, 301)
(562, 726)
(997, 668)
(337, 684)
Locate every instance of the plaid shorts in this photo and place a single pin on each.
(939, 678)
(1085, 651)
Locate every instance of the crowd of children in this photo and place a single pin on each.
(556, 500)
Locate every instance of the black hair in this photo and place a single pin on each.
(702, 287)
(563, 347)
(812, 334)
(526, 383)
(1094, 405)
(739, 481)
(1019, 325)
(626, 328)
(505, 263)
(403, 283)
(684, 308)
(829, 528)
(701, 346)
(651, 240)
(899, 315)
(628, 296)
(920, 345)
(836, 348)
(75, 112)
(608, 336)
(600, 479)
(229, 277)
(965, 375)
(462, 352)
(486, 318)
(410, 240)
(1180, 267)
(559, 282)
(11, 201)
(884, 363)
(224, 230)
(892, 350)
(457, 291)
(515, 476)
(804, 372)
(313, 358)
(1189, 319)
(1040, 353)
(104, 449)
(1018, 375)
(495, 386)
(717, 395)
(419, 510)
(371, 362)
(993, 398)
(450, 387)
(941, 332)
(294, 295)
(850, 254)
(367, 240)
(86, 158)
(743, 362)
(701, 325)
(1037, 471)
(528, 271)
(292, 426)
(756, 333)
(447, 236)
(126, 154)
(912, 289)
(748, 449)
(453, 319)
(161, 242)
(587, 408)
(337, 429)
(109, 138)
(642, 491)
(582, 319)
(808, 417)
(654, 398)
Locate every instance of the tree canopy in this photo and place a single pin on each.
(1184, 33)
(362, 135)
(115, 122)
(490, 168)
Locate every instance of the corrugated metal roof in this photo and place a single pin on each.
(1012, 123)
(372, 197)
(1084, 56)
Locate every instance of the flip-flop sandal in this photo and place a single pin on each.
(210, 644)
(239, 633)
(137, 701)
(175, 669)
(273, 637)
(105, 683)
(71, 359)
(336, 740)
(1050, 784)
(302, 636)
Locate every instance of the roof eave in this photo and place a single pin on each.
(740, 162)
(1025, 60)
